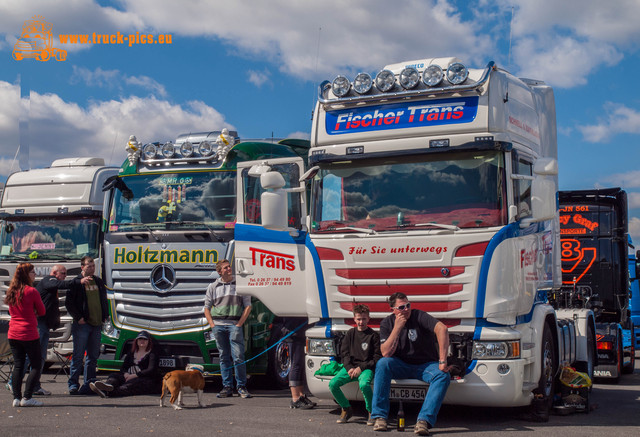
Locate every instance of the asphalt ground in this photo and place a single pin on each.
(615, 412)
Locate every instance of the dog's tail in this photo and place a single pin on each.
(164, 384)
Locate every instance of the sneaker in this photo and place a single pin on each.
(73, 391)
(16, 402)
(421, 428)
(8, 387)
(243, 392)
(370, 421)
(380, 424)
(30, 403)
(42, 392)
(103, 386)
(226, 392)
(308, 403)
(94, 387)
(345, 415)
(85, 390)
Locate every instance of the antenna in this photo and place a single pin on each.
(510, 34)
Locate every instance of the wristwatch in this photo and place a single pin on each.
(442, 362)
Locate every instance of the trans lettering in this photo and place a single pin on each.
(401, 115)
(272, 260)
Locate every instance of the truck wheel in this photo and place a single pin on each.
(630, 367)
(543, 395)
(279, 360)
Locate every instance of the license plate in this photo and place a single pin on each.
(167, 362)
(407, 393)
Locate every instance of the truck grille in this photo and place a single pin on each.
(138, 304)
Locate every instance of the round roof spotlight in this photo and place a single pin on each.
(340, 86)
(168, 150)
(362, 83)
(186, 149)
(205, 148)
(432, 75)
(385, 81)
(409, 78)
(149, 151)
(457, 73)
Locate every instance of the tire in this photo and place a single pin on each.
(543, 395)
(279, 360)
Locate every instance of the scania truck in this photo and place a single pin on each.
(595, 271)
(52, 216)
(438, 181)
(171, 214)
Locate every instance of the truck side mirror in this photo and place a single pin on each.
(273, 202)
(544, 203)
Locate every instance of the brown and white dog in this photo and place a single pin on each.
(177, 380)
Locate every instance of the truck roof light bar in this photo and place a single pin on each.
(457, 75)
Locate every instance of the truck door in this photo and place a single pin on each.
(276, 265)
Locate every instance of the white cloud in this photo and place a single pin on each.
(115, 79)
(300, 135)
(625, 180)
(100, 129)
(633, 200)
(634, 230)
(620, 119)
(259, 78)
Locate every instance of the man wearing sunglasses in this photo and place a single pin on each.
(414, 345)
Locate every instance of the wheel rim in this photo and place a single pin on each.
(283, 360)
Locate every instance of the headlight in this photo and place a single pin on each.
(457, 73)
(495, 350)
(362, 83)
(432, 75)
(340, 86)
(409, 78)
(168, 150)
(109, 330)
(205, 148)
(186, 149)
(321, 346)
(150, 151)
(385, 81)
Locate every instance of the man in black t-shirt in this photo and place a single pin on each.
(414, 345)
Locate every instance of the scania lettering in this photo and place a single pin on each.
(170, 218)
(53, 216)
(442, 188)
(596, 271)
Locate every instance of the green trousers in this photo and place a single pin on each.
(364, 382)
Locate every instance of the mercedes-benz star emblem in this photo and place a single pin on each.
(163, 277)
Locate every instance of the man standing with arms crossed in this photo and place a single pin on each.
(87, 303)
(226, 313)
(414, 345)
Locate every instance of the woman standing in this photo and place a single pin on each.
(24, 304)
(139, 374)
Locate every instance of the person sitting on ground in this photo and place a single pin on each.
(139, 374)
(360, 350)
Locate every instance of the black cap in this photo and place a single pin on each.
(144, 334)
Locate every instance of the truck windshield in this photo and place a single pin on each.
(175, 200)
(59, 238)
(454, 190)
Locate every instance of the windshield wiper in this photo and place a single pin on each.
(14, 256)
(142, 225)
(353, 228)
(437, 225)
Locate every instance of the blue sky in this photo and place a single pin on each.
(254, 66)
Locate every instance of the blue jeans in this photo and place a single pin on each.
(389, 368)
(86, 338)
(230, 342)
